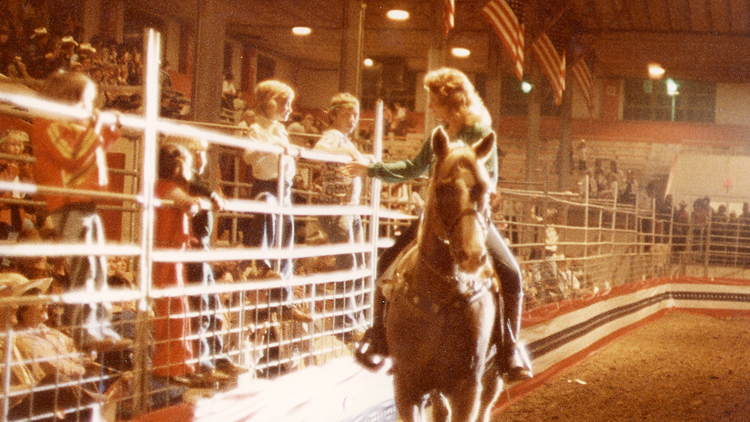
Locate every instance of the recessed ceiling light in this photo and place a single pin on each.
(460, 52)
(398, 15)
(655, 71)
(368, 63)
(301, 30)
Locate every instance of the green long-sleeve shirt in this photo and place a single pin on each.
(399, 171)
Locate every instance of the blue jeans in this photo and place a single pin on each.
(89, 321)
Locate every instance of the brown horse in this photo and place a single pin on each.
(439, 323)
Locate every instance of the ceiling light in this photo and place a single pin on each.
(460, 52)
(301, 30)
(368, 63)
(526, 87)
(398, 15)
(655, 71)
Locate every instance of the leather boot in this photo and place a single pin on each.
(373, 349)
(515, 356)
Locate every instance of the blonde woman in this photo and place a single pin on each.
(454, 102)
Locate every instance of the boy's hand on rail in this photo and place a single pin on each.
(218, 202)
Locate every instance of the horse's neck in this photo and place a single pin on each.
(432, 249)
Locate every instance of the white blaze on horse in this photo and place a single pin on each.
(441, 311)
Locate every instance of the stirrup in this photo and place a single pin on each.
(519, 364)
(367, 353)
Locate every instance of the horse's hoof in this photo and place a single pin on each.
(518, 374)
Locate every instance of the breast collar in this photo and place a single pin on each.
(476, 288)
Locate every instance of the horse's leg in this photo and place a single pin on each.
(408, 401)
(492, 385)
(440, 410)
(464, 400)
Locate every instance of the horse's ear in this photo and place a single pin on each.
(440, 143)
(483, 148)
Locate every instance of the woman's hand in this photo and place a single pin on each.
(354, 169)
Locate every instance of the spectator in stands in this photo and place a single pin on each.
(629, 191)
(339, 189)
(398, 125)
(311, 128)
(22, 376)
(296, 127)
(18, 69)
(567, 276)
(86, 57)
(456, 104)
(273, 104)
(71, 155)
(228, 91)
(744, 234)
(8, 49)
(13, 216)
(68, 52)
(57, 365)
(41, 58)
(681, 227)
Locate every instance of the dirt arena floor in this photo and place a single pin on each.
(683, 367)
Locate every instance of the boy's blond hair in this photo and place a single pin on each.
(269, 93)
(341, 100)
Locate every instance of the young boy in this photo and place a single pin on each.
(340, 189)
(71, 154)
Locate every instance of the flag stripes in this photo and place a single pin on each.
(449, 16)
(552, 63)
(582, 75)
(511, 31)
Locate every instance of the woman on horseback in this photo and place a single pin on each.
(454, 102)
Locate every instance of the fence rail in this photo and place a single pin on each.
(568, 247)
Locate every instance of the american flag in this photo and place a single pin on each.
(581, 72)
(449, 16)
(552, 63)
(506, 18)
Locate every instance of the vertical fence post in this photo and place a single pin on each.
(377, 150)
(150, 146)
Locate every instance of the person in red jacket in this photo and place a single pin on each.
(71, 154)
(173, 349)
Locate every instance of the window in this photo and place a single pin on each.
(669, 100)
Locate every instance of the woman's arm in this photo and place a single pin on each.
(403, 170)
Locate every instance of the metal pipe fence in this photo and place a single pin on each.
(568, 247)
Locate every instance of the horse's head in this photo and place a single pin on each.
(458, 204)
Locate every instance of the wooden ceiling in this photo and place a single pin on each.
(692, 39)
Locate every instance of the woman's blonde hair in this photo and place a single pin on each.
(453, 90)
(270, 94)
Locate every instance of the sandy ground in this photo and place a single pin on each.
(683, 367)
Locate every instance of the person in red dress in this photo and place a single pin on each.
(172, 348)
